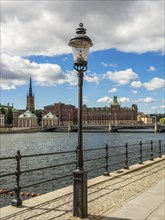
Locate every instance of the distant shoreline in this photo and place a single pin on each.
(16, 131)
(34, 130)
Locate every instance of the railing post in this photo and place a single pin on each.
(141, 152)
(17, 201)
(160, 149)
(106, 173)
(126, 156)
(152, 158)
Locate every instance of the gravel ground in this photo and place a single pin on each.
(102, 198)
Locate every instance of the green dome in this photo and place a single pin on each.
(27, 114)
(50, 116)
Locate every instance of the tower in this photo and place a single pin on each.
(30, 98)
(115, 101)
(115, 109)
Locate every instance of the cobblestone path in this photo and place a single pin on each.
(102, 197)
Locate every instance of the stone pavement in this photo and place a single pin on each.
(108, 197)
(149, 205)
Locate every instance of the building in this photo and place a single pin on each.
(114, 114)
(66, 114)
(30, 99)
(2, 119)
(49, 120)
(15, 112)
(145, 119)
(28, 120)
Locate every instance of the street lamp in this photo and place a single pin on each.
(80, 47)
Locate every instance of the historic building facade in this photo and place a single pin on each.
(114, 114)
(145, 119)
(66, 114)
(49, 120)
(2, 119)
(15, 112)
(30, 98)
(28, 120)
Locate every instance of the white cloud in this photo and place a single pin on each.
(155, 83)
(158, 107)
(15, 71)
(154, 108)
(123, 100)
(162, 106)
(71, 77)
(146, 100)
(7, 85)
(113, 90)
(113, 65)
(105, 99)
(93, 78)
(136, 84)
(44, 28)
(121, 77)
(104, 64)
(152, 69)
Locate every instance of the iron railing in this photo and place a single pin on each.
(106, 159)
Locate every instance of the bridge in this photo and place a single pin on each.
(107, 128)
(154, 127)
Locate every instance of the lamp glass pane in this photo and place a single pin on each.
(80, 54)
(80, 50)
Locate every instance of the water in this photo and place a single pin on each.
(35, 143)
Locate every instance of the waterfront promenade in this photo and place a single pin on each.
(136, 193)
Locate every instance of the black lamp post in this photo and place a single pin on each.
(80, 47)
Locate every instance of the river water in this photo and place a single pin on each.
(36, 143)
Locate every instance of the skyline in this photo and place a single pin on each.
(126, 60)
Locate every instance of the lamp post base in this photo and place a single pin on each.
(80, 194)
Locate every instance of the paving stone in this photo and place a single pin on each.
(103, 197)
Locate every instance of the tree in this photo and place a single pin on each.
(38, 113)
(162, 121)
(9, 117)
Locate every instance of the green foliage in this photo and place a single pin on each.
(3, 111)
(38, 113)
(162, 121)
(9, 117)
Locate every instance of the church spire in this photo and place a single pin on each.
(30, 98)
(30, 87)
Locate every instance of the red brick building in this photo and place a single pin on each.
(114, 114)
(66, 113)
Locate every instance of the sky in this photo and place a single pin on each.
(126, 59)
